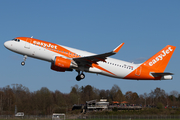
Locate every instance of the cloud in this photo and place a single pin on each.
(138, 60)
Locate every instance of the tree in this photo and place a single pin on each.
(87, 93)
(44, 97)
(102, 94)
(174, 98)
(8, 99)
(132, 97)
(116, 94)
(128, 95)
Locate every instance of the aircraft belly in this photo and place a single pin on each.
(116, 71)
(94, 70)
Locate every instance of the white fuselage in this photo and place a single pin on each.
(116, 68)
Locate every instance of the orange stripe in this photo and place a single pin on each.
(50, 46)
(56, 47)
(97, 66)
(140, 73)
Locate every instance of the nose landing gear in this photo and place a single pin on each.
(23, 62)
(80, 76)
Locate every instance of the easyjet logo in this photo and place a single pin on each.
(160, 57)
(45, 45)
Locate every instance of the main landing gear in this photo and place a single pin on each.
(80, 76)
(23, 62)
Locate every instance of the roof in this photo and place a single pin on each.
(124, 102)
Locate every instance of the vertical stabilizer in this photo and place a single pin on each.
(160, 60)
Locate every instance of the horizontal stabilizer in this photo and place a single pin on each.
(164, 75)
(161, 74)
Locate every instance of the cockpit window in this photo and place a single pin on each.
(16, 40)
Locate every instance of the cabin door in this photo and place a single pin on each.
(138, 71)
(27, 43)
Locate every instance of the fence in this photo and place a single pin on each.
(95, 117)
(130, 117)
(35, 117)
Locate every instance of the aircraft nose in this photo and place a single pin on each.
(6, 44)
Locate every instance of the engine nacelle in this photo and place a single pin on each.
(56, 68)
(62, 64)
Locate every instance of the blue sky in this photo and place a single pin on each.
(96, 26)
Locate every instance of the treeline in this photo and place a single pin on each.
(44, 102)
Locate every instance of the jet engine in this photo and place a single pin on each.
(62, 64)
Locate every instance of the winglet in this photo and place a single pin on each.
(116, 50)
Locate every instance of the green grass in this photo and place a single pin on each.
(88, 119)
(24, 119)
(126, 119)
(94, 119)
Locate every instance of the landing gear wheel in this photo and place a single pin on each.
(22, 63)
(80, 76)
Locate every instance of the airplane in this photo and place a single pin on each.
(64, 58)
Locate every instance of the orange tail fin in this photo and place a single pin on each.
(160, 60)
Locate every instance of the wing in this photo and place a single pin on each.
(96, 58)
